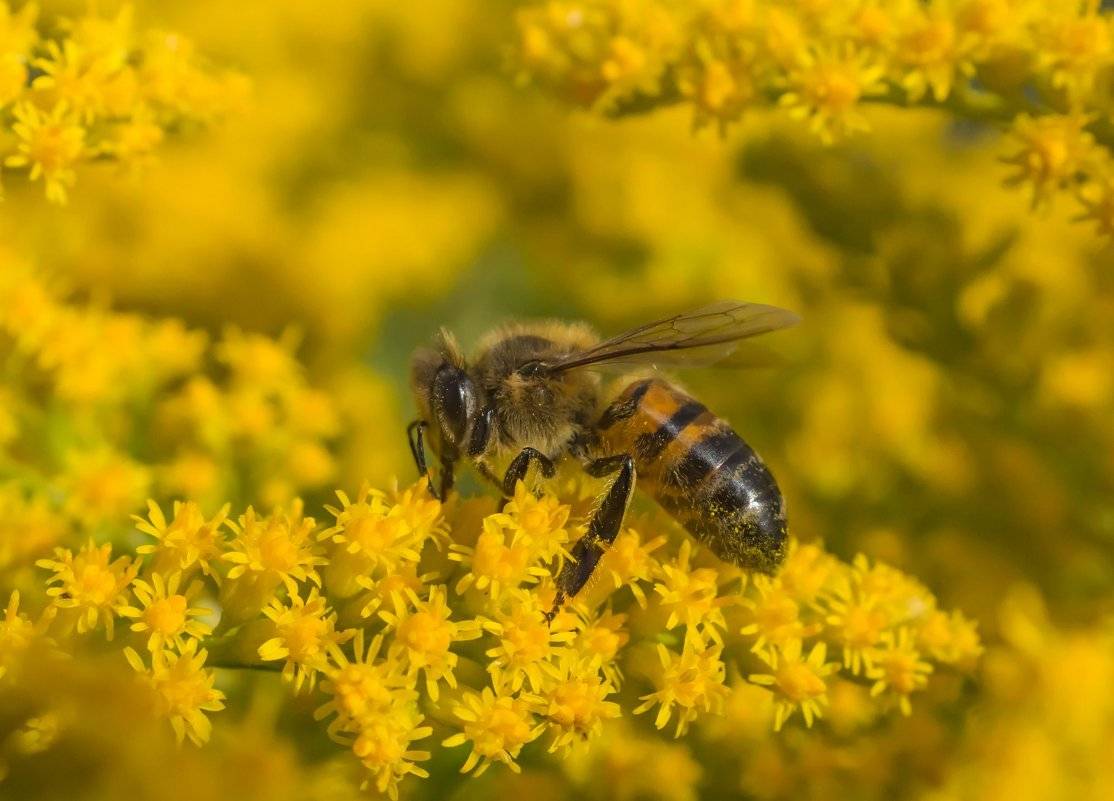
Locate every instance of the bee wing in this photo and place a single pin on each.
(708, 335)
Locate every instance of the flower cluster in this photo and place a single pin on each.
(94, 88)
(351, 613)
(1042, 68)
(235, 416)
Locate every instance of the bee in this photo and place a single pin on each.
(534, 394)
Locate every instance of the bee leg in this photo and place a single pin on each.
(520, 464)
(414, 435)
(447, 477)
(602, 529)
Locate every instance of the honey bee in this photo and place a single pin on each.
(534, 394)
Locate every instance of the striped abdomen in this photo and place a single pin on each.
(700, 471)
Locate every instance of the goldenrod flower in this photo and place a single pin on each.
(857, 625)
(183, 687)
(899, 669)
(825, 88)
(691, 595)
(497, 725)
(1054, 151)
(165, 612)
(265, 553)
(774, 617)
(799, 682)
(50, 144)
(540, 521)
(527, 642)
(692, 680)
(575, 702)
(90, 588)
(423, 634)
(383, 747)
(362, 688)
(187, 542)
(18, 633)
(304, 635)
(502, 559)
(930, 53)
(630, 561)
(104, 485)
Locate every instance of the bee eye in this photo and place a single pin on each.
(454, 403)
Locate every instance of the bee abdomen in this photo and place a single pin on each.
(701, 472)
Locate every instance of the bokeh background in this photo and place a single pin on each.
(946, 403)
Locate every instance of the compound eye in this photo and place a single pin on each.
(454, 400)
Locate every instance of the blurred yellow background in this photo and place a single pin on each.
(946, 403)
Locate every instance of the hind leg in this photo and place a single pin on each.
(602, 530)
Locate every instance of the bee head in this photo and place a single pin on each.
(447, 397)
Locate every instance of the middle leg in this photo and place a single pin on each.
(602, 529)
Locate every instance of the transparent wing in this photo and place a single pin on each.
(708, 335)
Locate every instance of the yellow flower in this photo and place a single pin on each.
(807, 572)
(18, 632)
(899, 669)
(774, 617)
(858, 625)
(497, 725)
(383, 747)
(13, 77)
(372, 536)
(1053, 151)
(165, 612)
(260, 362)
(89, 587)
(798, 683)
(575, 702)
(69, 77)
(50, 144)
(929, 54)
(825, 88)
(501, 559)
(304, 636)
(362, 688)
(691, 595)
(188, 541)
(1075, 42)
(600, 636)
(266, 552)
(692, 680)
(540, 520)
(423, 634)
(951, 639)
(526, 642)
(17, 31)
(630, 561)
(183, 689)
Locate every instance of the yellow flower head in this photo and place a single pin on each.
(629, 562)
(692, 680)
(187, 542)
(304, 636)
(103, 485)
(798, 682)
(275, 549)
(89, 587)
(424, 633)
(165, 612)
(50, 144)
(825, 89)
(526, 642)
(774, 616)
(899, 670)
(502, 559)
(1053, 151)
(540, 521)
(691, 595)
(183, 689)
(497, 725)
(18, 632)
(363, 688)
(575, 702)
(383, 747)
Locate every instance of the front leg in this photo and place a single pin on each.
(520, 464)
(602, 530)
(415, 436)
